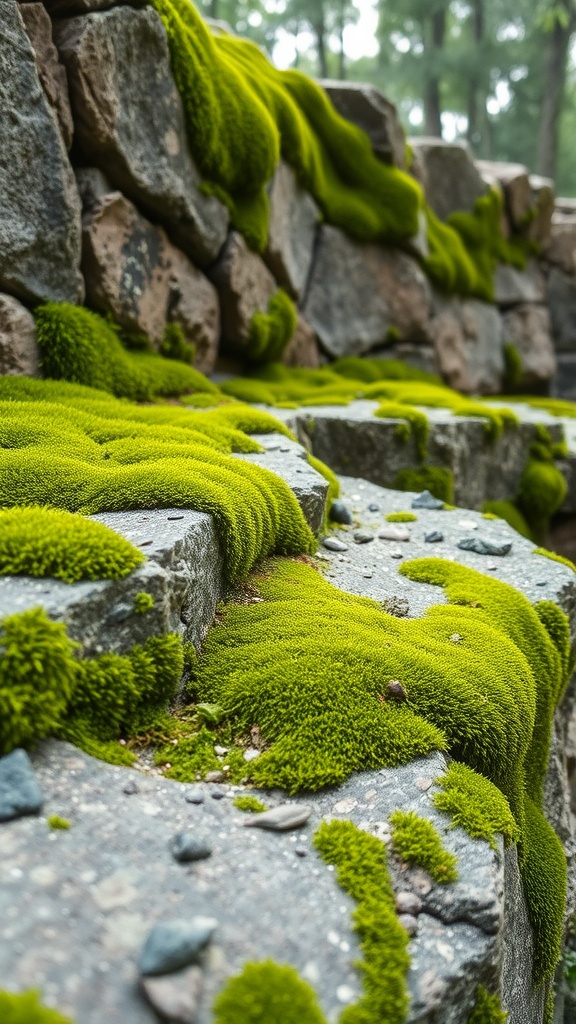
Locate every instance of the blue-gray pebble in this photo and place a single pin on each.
(427, 500)
(485, 547)
(175, 944)
(434, 537)
(20, 791)
(186, 847)
(340, 513)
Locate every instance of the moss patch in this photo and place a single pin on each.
(487, 1009)
(26, 1008)
(267, 991)
(476, 805)
(416, 841)
(58, 823)
(436, 479)
(271, 332)
(542, 487)
(143, 603)
(250, 804)
(44, 542)
(401, 517)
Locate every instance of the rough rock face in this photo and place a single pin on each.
(468, 338)
(527, 327)
(39, 204)
(561, 248)
(302, 349)
(294, 218)
(18, 352)
(561, 298)
(451, 180)
(512, 285)
(515, 183)
(64, 8)
(51, 72)
(543, 199)
(130, 123)
(366, 107)
(245, 286)
(135, 273)
(361, 296)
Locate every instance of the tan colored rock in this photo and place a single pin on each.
(367, 108)
(561, 248)
(294, 218)
(51, 72)
(245, 287)
(469, 342)
(543, 201)
(527, 327)
(363, 296)
(175, 997)
(18, 350)
(515, 182)
(302, 350)
(134, 272)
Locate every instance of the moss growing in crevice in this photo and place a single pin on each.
(249, 804)
(416, 841)
(26, 1008)
(143, 602)
(476, 805)
(513, 368)
(487, 1009)
(36, 541)
(267, 992)
(436, 479)
(542, 487)
(271, 332)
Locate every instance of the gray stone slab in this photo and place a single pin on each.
(289, 461)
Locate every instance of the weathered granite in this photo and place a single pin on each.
(294, 219)
(18, 349)
(367, 108)
(245, 287)
(512, 286)
(561, 248)
(451, 180)
(51, 72)
(527, 327)
(469, 344)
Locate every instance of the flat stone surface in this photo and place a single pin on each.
(288, 460)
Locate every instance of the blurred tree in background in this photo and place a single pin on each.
(499, 73)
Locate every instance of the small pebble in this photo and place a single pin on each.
(363, 536)
(281, 818)
(20, 791)
(221, 751)
(397, 533)
(367, 575)
(251, 754)
(373, 507)
(172, 945)
(427, 500)
(340, 513)
(173, 519)
(187, 847)
(485, 547)
(333, 544)
(216, 776)
(217, 794)
(434, 537)
(395, 691)
(301, 852)
(131, 787)
(542, 583)
(423, 783)
(175, 997)
(194, 796)
(408, 903)
(396, 554)
(409, 923)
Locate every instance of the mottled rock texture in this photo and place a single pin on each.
(366, 107)
(18, 350)
(527, 327)
(468, 339)
(51, 72)
(245, 286)
(451, 179)
(294, 218)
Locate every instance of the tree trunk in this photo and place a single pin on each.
(476, 104)
(433, 34)
(320, 33)
(213, 9)
(555, 61)
(341, 55)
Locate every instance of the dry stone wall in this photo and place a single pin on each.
(101, 202)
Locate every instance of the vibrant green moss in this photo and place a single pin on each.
(401, 517)
(58, 823)
(513, 368)
(250, 804)
(476, 805)
(175, 346)
(143, 603)
(542, 487)
(26, 1008)
(436, 479)
(555, 557)
(80, 346)
(416, 841)
(43, 542)
(507, 511)
(267, 991)
(361, 865)
(487, 1009)
(271, 332)
(84, 451)
(413, 422)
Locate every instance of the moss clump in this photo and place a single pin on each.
(487, 1009)
(43, 542)
(271, 332)
(513, 368)
(267, 991)
(401, 517)
(555, 557)
(542, 487)
(58, 823)
(82, 450)
(476, 805)
(175, 346)
(507, 511)
(416, 841)
(80, 346)
(143, 603)
(26, 1008)
(361, 865)
(250, 804)
(413, 423)
(436, 479)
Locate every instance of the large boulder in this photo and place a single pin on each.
(367, 108)
(39, 203)
(18, 351)
(512, 286)
(451, 180)
(134, 272)
(527, 327)
(51, 72)
(561, 248)
(130, 122)
(245, 287)
(294, 218)
(515, 183)
(362, 296)
(469, 342)
(561, 301)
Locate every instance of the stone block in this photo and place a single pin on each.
(561, 248)
(543, 202)
(512, 285)
(561, 301)
(18, 349)
(469, 343)
(294, 218)
(302, 349)
(51, 72)
(515, 183)
(245, 287)
(39, 205)
(452, 181)
(134, 272)
(564, 383)
(129, 122)
(527, 327)
(362, 296)
(367, 108)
